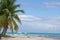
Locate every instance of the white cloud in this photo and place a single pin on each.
(40, 24)
(29, 18)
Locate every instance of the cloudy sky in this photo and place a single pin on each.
(42, 16)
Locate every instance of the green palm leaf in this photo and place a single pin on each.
(15, 25)
(17, 18)
(19, 11)
(10, 25)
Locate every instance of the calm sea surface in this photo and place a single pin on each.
(38, 34)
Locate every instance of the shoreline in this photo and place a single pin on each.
(23, 37)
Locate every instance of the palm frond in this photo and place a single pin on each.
(17, 18)
(19, 11)
(12, 8)
(15, 6)
(10, 25)
(11, 2)
(6, 11)
(15, 25)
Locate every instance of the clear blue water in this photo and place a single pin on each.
(39, 34)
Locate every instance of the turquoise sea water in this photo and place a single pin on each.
(39, 34)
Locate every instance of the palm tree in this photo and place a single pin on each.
(8, 9)
(1, 21)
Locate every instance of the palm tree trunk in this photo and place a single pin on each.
(5, 26)
(4, 31)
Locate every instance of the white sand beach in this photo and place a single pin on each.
(26, 38)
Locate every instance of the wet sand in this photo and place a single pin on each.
(27, 38)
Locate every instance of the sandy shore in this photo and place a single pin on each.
(26, 38)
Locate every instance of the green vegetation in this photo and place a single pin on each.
(8, 15)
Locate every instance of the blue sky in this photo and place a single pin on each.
(42, 16)
(41, 7)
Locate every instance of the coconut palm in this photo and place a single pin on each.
(8, 9)
(1, 21)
